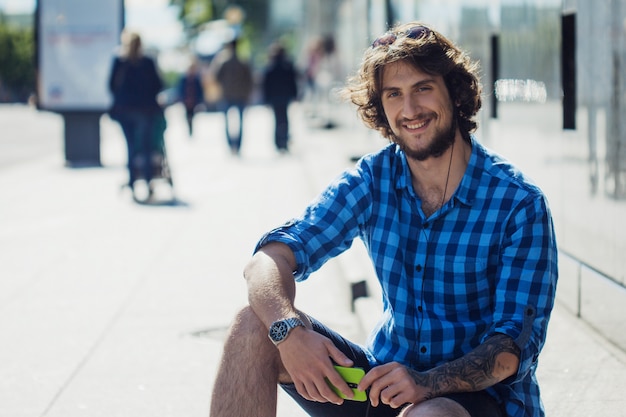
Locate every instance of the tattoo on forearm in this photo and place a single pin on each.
(475, 371)
(423, 379)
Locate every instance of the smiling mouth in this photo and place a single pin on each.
(416, 125)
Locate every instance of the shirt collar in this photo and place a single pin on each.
(402, 171)
(466, 191)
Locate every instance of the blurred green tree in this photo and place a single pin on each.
(17, 63)
(194, 13)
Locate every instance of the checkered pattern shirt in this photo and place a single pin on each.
(485, 263)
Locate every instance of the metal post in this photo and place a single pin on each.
(82, 138)
(495, 73)
(568, 69)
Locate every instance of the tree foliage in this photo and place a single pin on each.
(17, 63)
(194, 13)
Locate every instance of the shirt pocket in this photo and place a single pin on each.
(461, 289)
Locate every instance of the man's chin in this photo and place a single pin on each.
(418, 155)
(424, 154)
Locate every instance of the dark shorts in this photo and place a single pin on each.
(478, 404)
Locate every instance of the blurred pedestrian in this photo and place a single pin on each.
(323, 75)
(135, 83)
(315, 53)
(328, 77)
(191, 93)
(279, 89)
(235, 79)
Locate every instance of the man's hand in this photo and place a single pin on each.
(491, 362)
(393, 384)
(308, 358)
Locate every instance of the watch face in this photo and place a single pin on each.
(279, 331)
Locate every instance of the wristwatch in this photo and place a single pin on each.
(279, 330)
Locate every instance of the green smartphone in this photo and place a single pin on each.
(352, 376)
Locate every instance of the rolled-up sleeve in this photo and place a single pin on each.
(328, 226)
(527, 281)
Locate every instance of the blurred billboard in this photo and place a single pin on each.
(76, 41)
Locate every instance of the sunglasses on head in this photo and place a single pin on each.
(414, 32)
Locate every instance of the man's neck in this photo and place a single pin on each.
(435, 179)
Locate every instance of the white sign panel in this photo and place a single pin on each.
(76, 43)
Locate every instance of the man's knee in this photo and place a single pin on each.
(437, 407)
(247, 324)
(248, 339)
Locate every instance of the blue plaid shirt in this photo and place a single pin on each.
(485, 263)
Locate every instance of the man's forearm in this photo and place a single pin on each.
(271, 289)
(490, 363)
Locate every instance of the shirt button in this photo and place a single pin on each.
(423, 349)
(420, 309)
(425, 226)
(418, 268)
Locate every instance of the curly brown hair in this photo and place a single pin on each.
(427, 50)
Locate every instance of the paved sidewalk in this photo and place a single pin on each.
(109, 308)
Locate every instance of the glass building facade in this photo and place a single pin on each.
(553, 74)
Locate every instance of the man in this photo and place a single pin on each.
(235, 79)
(191, 93)
(280, 88)
(462, 243)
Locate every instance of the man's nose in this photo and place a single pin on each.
(411, 106)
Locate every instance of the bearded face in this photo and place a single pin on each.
(419, 111)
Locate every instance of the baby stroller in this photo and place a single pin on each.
(155, 155)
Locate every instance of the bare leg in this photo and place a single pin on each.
(247, 378)
(437, 407)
